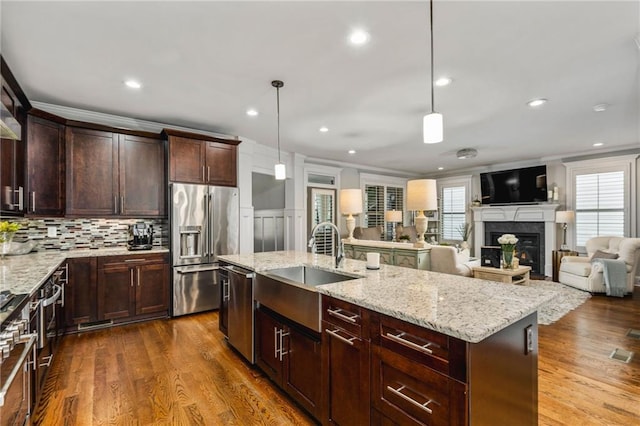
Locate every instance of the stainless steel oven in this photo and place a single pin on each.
(17, 355)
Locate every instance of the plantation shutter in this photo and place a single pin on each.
(599, 205)
(453, 212)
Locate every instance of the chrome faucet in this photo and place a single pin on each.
(340, 250)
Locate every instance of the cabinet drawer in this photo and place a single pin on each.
(347, 316)
(412, 394)
(433, 349)
(132, 260)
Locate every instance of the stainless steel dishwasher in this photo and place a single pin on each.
(237, 295)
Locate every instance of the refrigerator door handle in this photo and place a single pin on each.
(210, 233)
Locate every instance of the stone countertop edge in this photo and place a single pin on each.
(26, 273)
(466, 308)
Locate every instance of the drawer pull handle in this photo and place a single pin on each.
(338, 314)
(399, 393)
(335, 334)
(398, 338)
(135, 260)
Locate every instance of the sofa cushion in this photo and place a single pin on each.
(581, 269)
(599, 254)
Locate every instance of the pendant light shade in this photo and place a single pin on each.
(280, 170)
(432, 128)
(432, 124)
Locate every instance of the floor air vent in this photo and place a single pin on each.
(621, 355)
(635, 334)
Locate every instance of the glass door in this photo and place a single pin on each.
(322, 208)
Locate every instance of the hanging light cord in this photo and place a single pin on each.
(431, 30)
(278, 112)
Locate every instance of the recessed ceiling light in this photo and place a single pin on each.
(324, 129)
(440, 168)
(600, 107)
(352, 151)
(252, 112)
(537, 102)
(133, 84)
(358, 37)
(598, 144)
(442, 81)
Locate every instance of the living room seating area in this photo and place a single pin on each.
(580, 272)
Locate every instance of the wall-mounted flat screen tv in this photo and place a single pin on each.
(518, 186)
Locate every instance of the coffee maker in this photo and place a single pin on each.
(140, 236)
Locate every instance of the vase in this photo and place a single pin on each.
(464, 245)
(507, 258)
(5, 242)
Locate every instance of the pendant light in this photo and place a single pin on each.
(280, 170)
(432, 124)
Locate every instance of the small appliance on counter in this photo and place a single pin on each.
(140, 236)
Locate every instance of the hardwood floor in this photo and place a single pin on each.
(181, 372)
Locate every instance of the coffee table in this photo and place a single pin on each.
(519, 275)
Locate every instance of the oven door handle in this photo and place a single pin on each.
(54, 298)
(19, 365)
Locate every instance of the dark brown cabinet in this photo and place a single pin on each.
(345, 358)
(80, 296)
(291, 356)
(201, 159)
(111, 174)
(130, 286)
(45, 167)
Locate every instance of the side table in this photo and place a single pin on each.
(557, 256)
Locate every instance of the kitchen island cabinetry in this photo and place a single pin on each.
(132, 286)
(345, 363)
(45, 166)
(80, 296)
(290, 355)
(111, 174)
(201, 159)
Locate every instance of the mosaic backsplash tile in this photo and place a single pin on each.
(85, 233)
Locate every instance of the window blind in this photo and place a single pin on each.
(395, 201)
(453, 212)
(599, 205)
(374, 212)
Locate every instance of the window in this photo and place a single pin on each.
(602, 192)
(382, 193)
(599, 205)
(374, 210)
(395, 201)
(453, 200)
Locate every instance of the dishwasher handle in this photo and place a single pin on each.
(237, 270)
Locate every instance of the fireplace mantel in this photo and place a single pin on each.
(518, 213)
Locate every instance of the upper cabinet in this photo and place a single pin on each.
(45, 166)
(111, 174)
(202, 159)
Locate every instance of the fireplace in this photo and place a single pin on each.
(534, 225)
(530, 246)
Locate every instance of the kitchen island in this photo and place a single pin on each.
(401, 345)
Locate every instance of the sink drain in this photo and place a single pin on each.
(621, 355)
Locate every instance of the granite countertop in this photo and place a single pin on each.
(467, 308)
(26, 273)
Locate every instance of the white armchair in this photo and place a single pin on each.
(448, 260)
(580, 273)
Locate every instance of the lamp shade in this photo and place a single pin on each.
(432, 128)
(393, 216)
(565, 216)
(422, 194)
(280, 171)
(350, 201)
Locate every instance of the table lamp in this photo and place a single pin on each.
(422, 194)
(565, 217)
(393, 217)
(350, 204)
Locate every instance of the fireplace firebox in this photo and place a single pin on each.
(530, 247)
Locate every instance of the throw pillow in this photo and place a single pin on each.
(599, 254)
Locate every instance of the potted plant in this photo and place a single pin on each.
(7, 231)
(465, 232)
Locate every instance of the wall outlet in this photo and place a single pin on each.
(52, 231)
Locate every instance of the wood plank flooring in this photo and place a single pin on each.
(181, 372)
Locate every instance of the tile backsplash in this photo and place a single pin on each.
(85, 233)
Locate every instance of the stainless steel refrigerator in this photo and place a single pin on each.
(204, 225)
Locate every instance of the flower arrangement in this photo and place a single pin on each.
(7, 230)
(508, 244)
(6, 226)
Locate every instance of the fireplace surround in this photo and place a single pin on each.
(529, 222)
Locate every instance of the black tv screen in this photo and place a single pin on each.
(526, 185)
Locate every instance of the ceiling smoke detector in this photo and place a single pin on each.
(465, 153)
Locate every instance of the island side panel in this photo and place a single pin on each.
(503, 376)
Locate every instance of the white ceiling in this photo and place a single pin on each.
(203, 64)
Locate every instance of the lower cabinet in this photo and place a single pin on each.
(130, 286)
(80, 296)
(290, 355)
(116, 289)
